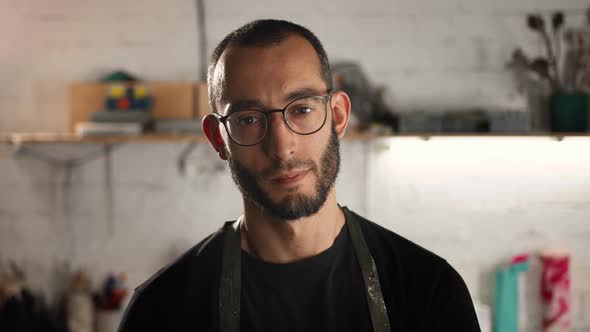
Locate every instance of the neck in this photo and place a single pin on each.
(279, 241)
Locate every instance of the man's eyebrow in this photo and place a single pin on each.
(255, 104)
(300, 93)
(242, 104)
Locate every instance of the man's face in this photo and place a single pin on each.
(296, 204)
(287, 174)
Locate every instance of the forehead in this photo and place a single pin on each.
(267, 74)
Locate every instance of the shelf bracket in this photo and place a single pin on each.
(183, 157)
(105, 150)
(69, 164)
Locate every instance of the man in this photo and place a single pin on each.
(295, 260)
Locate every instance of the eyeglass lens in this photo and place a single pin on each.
(303, 116)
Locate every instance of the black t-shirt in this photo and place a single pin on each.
(321, 293)
(422, 291)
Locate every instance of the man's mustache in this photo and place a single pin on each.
(279, 167)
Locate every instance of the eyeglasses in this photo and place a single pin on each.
(304, 116)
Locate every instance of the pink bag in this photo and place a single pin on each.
(555, 292)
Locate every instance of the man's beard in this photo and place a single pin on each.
(293, 206)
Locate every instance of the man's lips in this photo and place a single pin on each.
(289, 178)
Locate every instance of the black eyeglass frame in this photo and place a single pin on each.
(326, 99)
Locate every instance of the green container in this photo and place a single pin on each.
(506, 299)
(569, 112)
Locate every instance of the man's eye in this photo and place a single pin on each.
(248, 120)
(302, 110)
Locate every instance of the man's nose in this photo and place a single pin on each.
(280, 141)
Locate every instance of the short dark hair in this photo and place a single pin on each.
(265, 33)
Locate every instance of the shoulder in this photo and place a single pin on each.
(402, 259)
(208, 251)
(190, 280)
(417, 281)
(393, 247)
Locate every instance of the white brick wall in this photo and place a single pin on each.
(479, 201)
(429, 54)
(476, 202)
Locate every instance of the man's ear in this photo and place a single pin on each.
(211, 129)
(340, 111)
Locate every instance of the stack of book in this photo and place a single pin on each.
(174, 126)
(111, 122)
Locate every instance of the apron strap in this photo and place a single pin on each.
(230, 285)
(377, 308)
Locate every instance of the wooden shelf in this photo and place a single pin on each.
(49, 138)
(43, 138)
(354, 136)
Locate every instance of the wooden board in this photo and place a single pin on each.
(172, 100)
(202, 100)
(43, 138)
(52, 138)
